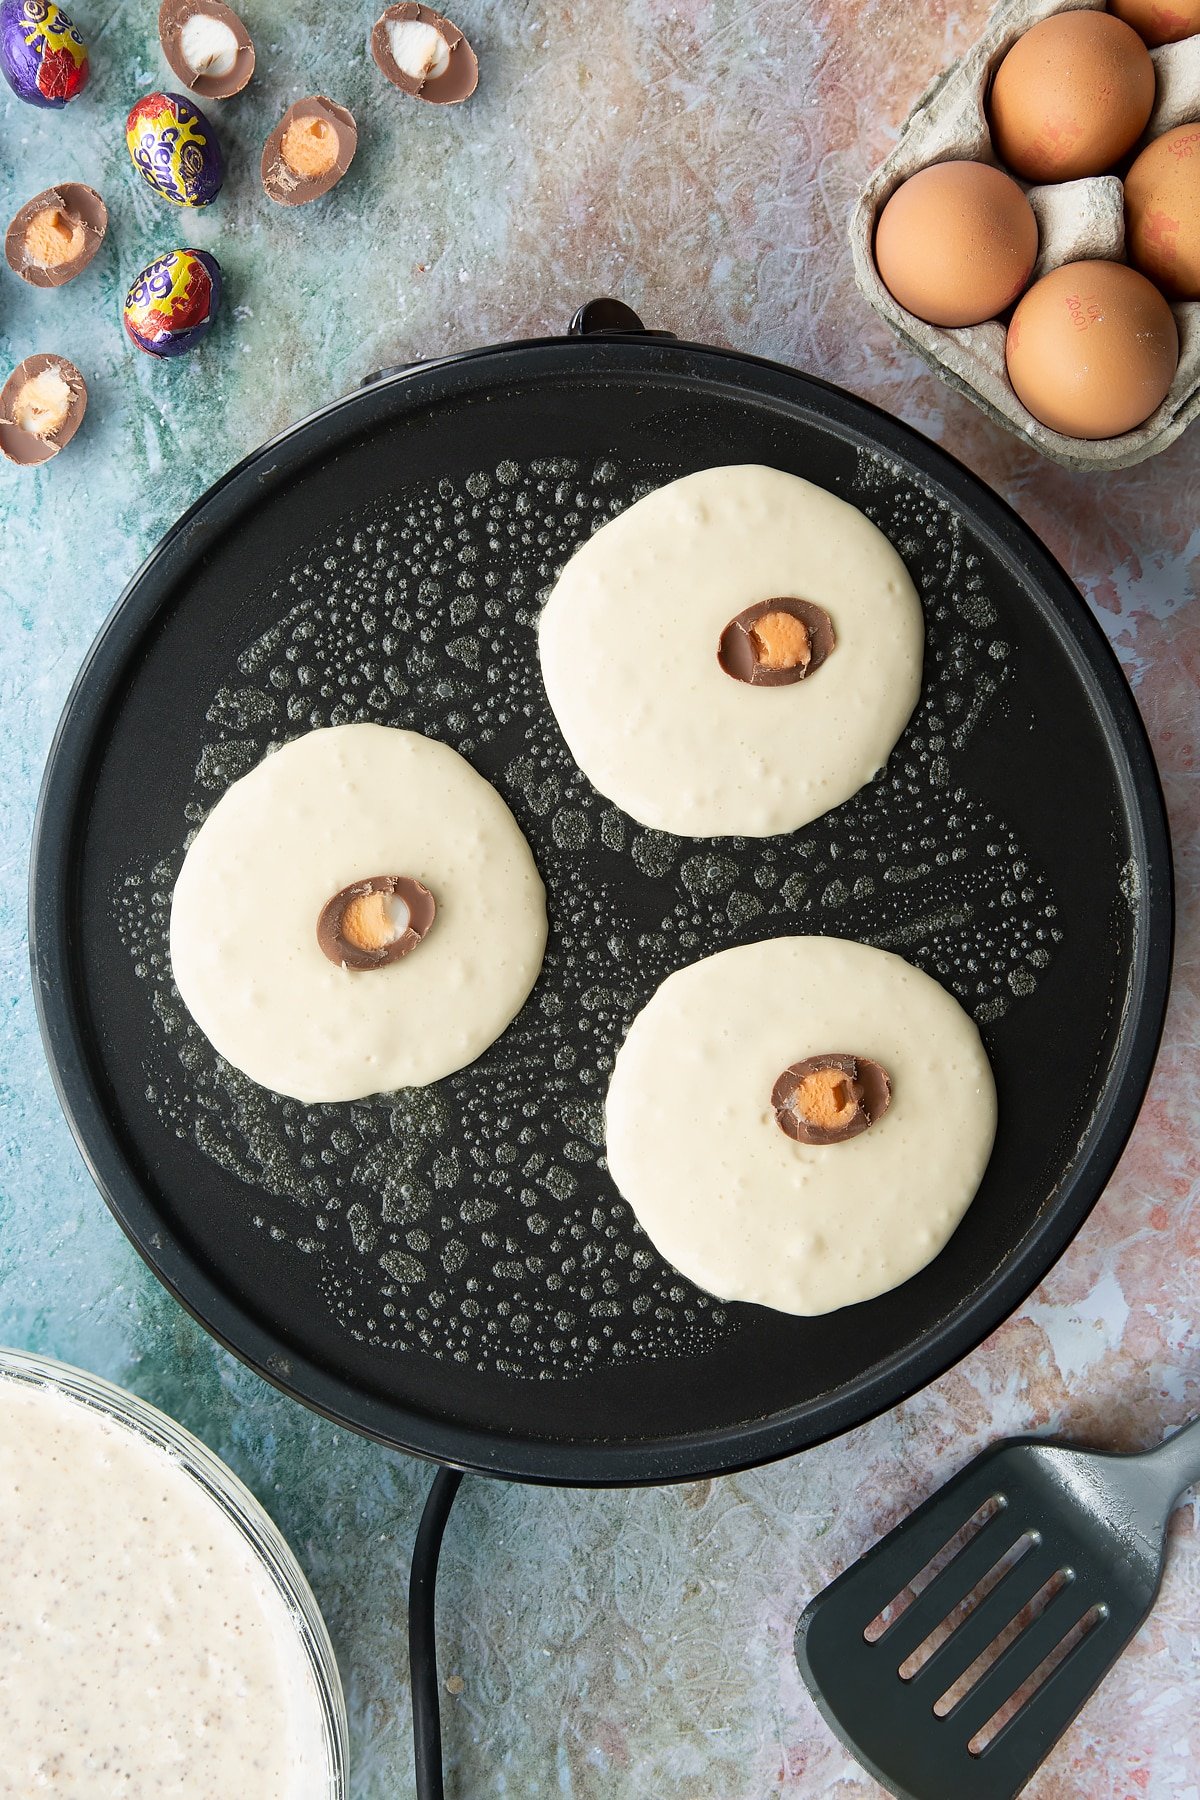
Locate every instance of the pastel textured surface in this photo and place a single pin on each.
(700, 160)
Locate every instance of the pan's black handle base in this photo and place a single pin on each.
(422, 1636)
(598, 318)
(393, 369)
(610, 318)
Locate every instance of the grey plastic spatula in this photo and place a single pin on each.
(951, 1657)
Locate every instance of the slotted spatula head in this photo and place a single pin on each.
(953, 1655)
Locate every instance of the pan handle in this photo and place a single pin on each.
(422, 1638)
(597, 318)
(610, 318)
(392, 369)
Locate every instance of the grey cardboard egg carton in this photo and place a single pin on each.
(1076, 220)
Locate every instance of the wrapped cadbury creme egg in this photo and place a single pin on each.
(173, 302)
(45, 61)
(175, 149)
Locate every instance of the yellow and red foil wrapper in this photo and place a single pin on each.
(172, 303)
(175, 149)
(42, 55)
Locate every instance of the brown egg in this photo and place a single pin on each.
(1159, 21)
(1071, 97)
(1162, 212)
(956, 243)
(1092, 349)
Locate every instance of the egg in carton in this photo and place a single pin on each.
(1077, 220)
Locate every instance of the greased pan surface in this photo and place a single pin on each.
(451, 1270)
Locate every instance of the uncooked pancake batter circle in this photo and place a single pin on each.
(334, 807)
(725, 1195)
(629, 636)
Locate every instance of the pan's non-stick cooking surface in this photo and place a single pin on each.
(451, 1269)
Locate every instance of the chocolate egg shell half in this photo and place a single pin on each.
(309, 151)
(56, 234)
(173, 302)
(207, 46)
(175, 149)
(423, 54)
(44, 59)
(376, 921)
(830, 1099)
(41, 408)
(776, 642)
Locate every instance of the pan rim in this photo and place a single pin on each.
(573, 1462)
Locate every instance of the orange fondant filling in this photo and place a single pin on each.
(826, 1098)
(781, 642)
(52, 239)
(310, 147)
(367, 924)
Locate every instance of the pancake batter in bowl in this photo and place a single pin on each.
(629, 644)
(695, 1144)
(145, 1648)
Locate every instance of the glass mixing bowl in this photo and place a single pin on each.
(239, 1506)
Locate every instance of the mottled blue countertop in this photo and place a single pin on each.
(698, 159)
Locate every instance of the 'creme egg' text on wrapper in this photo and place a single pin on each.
(173, 302)
(44, 59)
(175, 149)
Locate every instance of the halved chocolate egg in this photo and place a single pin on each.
(309, 151)
(423, 54)
(56, 234)
(828, 1099)
(776, 642)
(207, 46)
(375, 921)
(41, 408)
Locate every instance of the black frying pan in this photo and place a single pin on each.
(451, 1271)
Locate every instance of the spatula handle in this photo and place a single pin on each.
(1178, 1458)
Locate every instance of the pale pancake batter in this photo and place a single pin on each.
(144, 1649)
(629, 641)
(741, 1208)
(333, 808)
